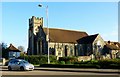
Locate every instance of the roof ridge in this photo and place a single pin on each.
(94, 34)
(66, 29)
(12, 47)
(69, 35)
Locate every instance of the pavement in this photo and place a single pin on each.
(74, 69)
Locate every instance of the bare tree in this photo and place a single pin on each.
(21, 48)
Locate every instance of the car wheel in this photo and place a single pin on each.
(9, 68)
(22, 68)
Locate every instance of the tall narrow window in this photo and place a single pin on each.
(65, 50)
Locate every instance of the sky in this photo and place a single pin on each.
(90, 17)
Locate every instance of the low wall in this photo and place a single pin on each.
(84, 58)
(3, 61)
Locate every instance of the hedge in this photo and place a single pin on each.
(68, 60)
(71, 62)
(101, 64)
(39, 59)
(113, 63)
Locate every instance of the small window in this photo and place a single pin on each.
(59, 54)
(12, 62)
(15, 61)
(99, 46)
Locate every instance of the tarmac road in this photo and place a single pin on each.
(53, 72)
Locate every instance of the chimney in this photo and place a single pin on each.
(109, 42)
(10, 44)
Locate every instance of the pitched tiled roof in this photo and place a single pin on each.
(118, 44)
(64, 36)
(88, 39)
(112, 47)
(12, 48)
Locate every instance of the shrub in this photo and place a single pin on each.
(109, 63)
(82, 62)
(43, 59)
(113, 63)
(94, 61)
(68, 62)
(62, 62)
(39, 59)
(70, 59)
(55, 62)
(53, 58)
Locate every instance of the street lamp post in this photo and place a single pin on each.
(47, 36)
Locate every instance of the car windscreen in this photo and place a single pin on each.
(25, 61)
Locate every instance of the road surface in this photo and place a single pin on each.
(53, 73)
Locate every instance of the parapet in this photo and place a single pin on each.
(35, 19)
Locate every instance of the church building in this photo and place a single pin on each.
(61, 42)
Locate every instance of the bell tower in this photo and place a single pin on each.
(34, 24)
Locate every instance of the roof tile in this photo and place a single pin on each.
(64, 36)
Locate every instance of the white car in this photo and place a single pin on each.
(20, 64)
